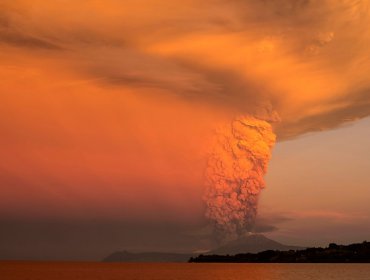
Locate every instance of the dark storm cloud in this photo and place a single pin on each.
(352, 109)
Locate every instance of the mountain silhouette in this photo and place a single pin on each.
(252, 243)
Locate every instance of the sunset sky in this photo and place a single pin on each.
(108, 110)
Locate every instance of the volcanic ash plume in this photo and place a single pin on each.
(234, 175)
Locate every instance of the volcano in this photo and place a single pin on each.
(251, 243)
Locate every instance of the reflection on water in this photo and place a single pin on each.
(173, 271)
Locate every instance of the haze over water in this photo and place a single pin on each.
(180, 271)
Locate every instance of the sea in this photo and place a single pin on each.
(179, 271)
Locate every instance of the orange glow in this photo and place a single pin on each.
(110, 105)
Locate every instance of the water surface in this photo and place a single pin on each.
(179, 271)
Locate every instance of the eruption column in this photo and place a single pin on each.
(234, 175)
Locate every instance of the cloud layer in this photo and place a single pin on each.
(306, 60)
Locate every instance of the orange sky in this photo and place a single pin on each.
(107, 108)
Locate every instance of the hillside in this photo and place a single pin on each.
(354, 253)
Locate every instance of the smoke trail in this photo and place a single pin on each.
(234, 175)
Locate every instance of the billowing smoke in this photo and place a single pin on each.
(234, 175)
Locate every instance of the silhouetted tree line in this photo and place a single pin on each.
(354, 253)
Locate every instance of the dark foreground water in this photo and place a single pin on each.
(107, 271)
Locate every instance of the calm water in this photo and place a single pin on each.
(102, 271)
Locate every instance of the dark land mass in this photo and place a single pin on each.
(252, 243)
(354, 253)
